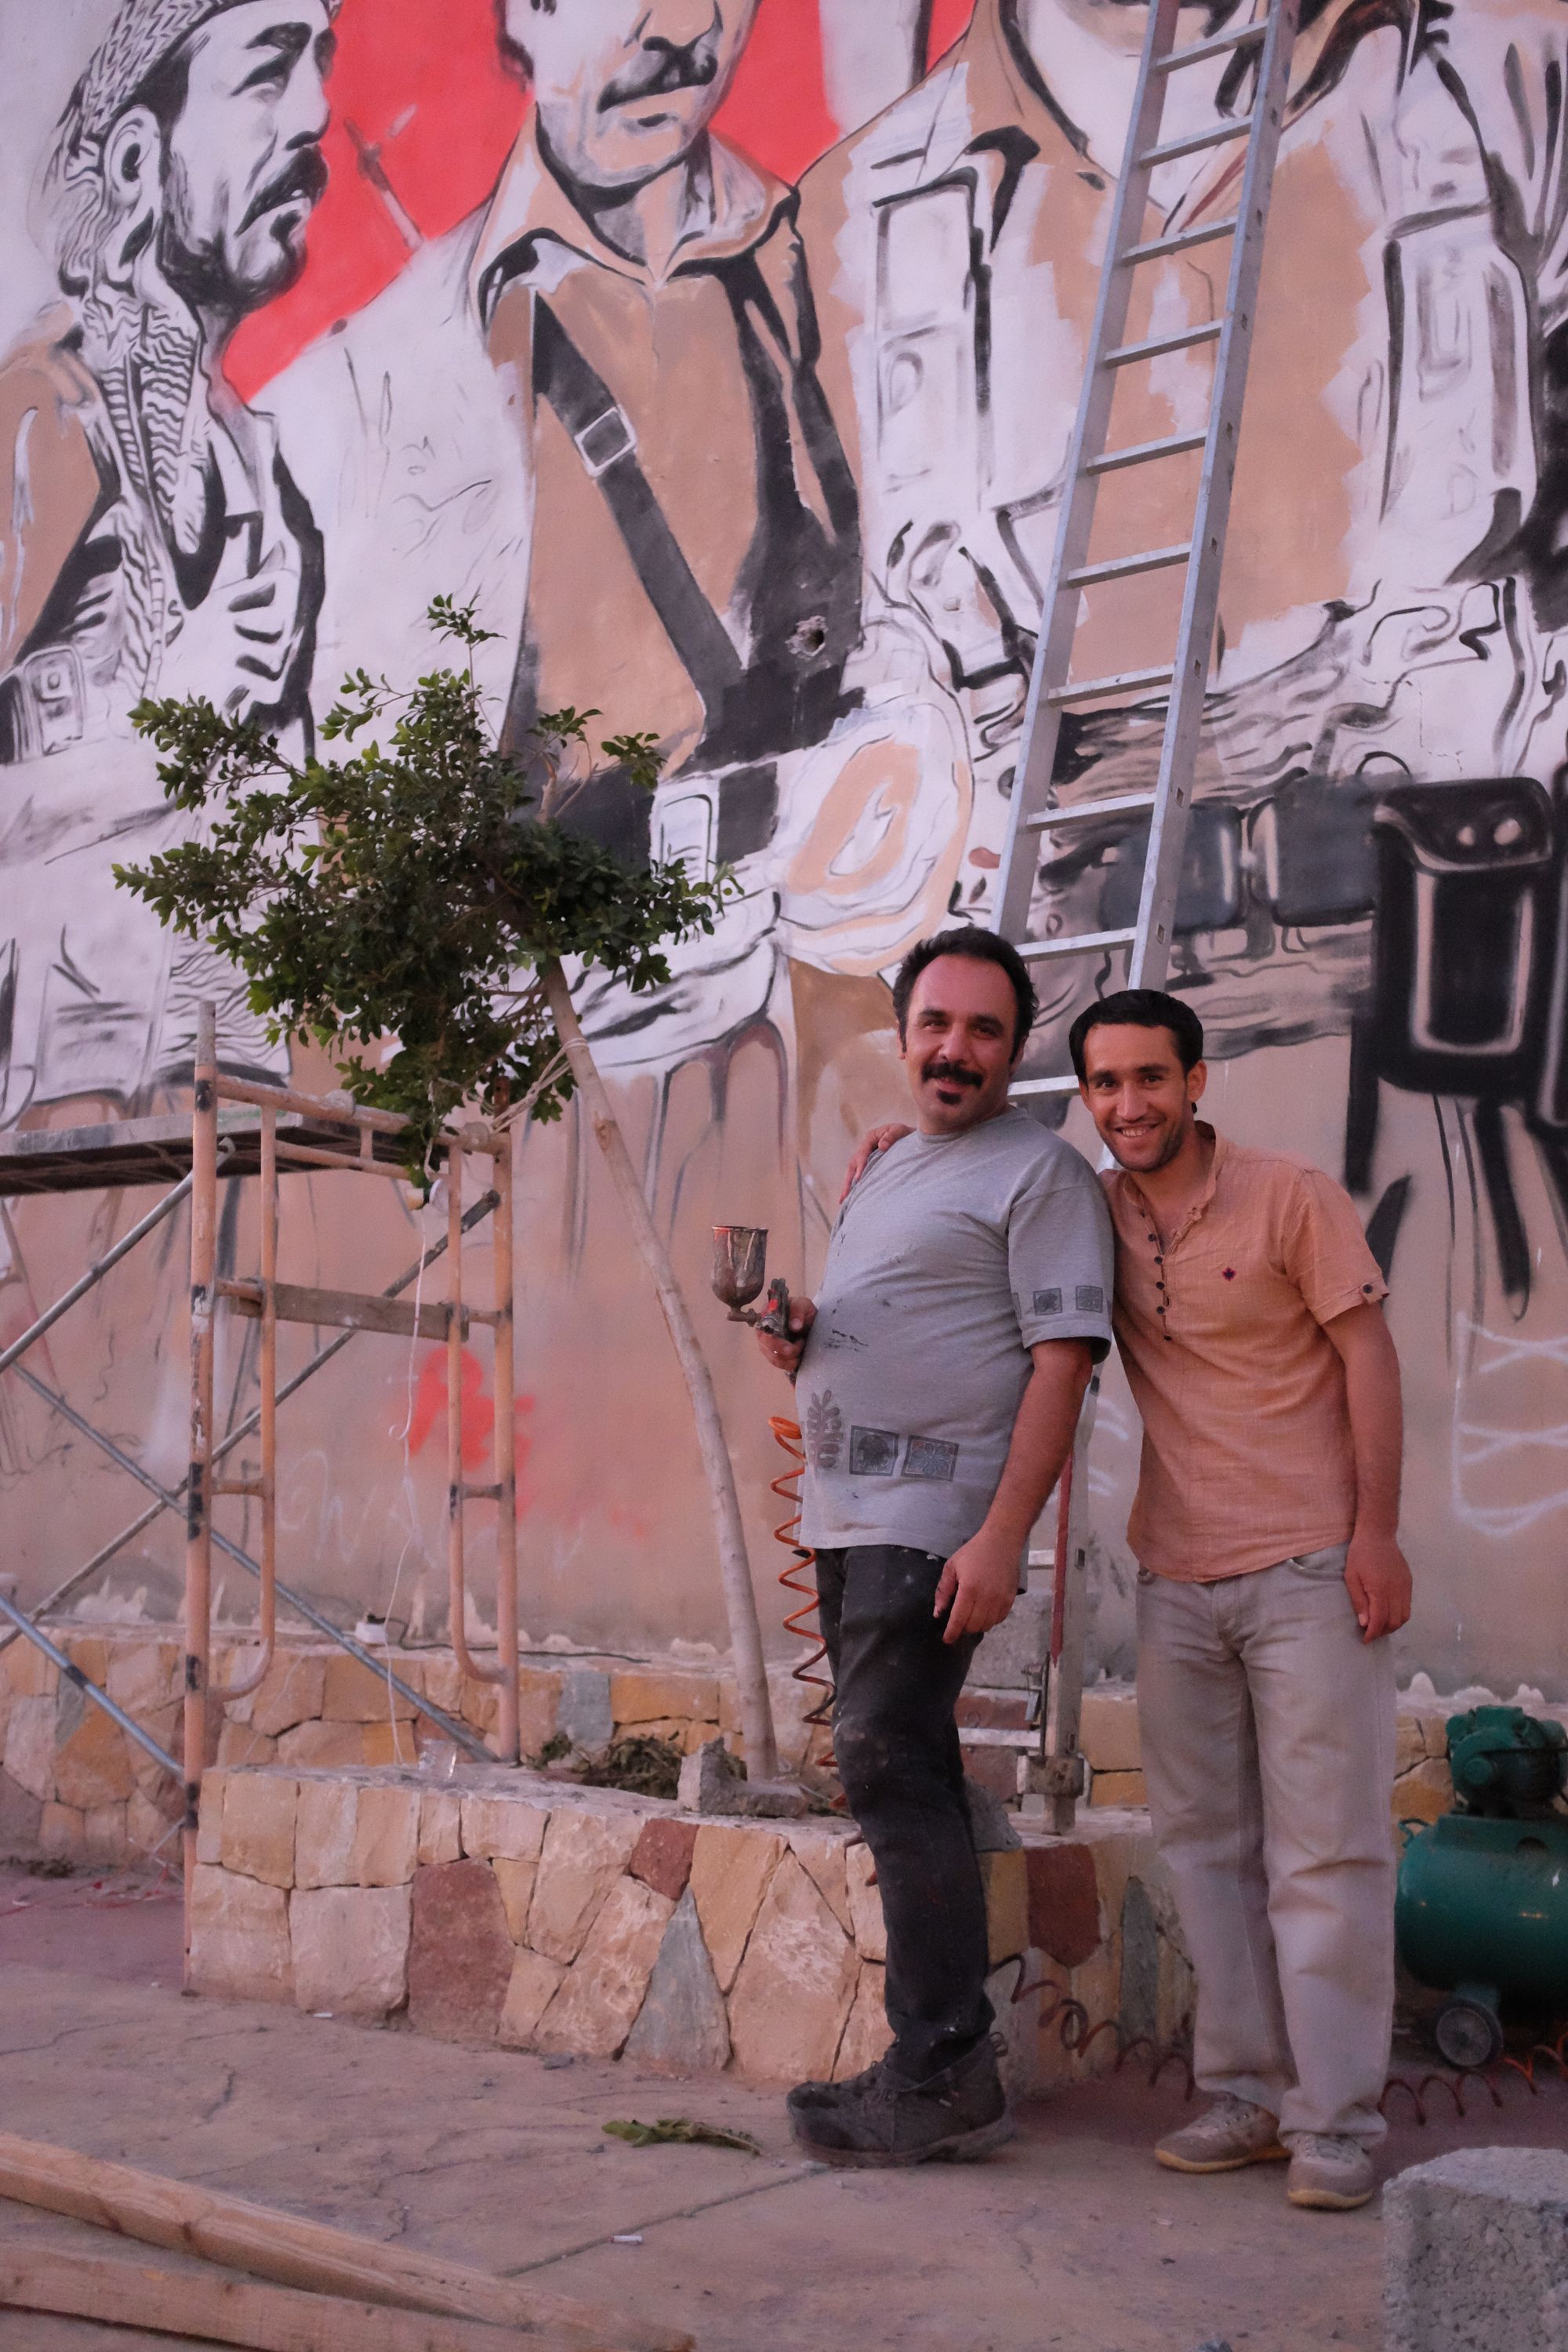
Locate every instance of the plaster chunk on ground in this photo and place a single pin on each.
(682, 2026)
(865, 1905)
(533, 1988)
(1476, 2252)
(500, 1825)
(582, 1857)
(386, 1836)
(793, 1993)
(324, 1821)
(239, 1937)
(459, 1954)
(258, 1827)
(867, 2034)
(730, 1872)
(598, 2001)
(350, 1948)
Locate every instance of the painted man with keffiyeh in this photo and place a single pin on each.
(151, 542)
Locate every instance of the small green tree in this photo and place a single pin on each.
(410, 907)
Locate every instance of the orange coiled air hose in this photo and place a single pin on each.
(787, 1486)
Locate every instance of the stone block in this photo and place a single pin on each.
(993, 1770)
(598, 1999)
(869, 1928)
(166, 1726)
(145, 1676)
(29, 1673)
(257, 1841)
(323, 1745)
(30, 1741)
(1409, 1741)
(991, 1825)
(1018, 2025)
(1005, 1878)
(239, 1743)
(351, 1694)
(209, 1817)
(440, 1827)
(682, 2026)
(1123, 1789)
(459, 1954)
(21, 1817)
(792, 1993)
(586, 1715)
(515, 1880)
(500, 1825)
(89, 1653)
(103, 1833)
(481, 1707)
(1064, 1901)
(1108, 1731)
(993, 1710)
(697, 1735)
(867, 2033)
(1425, 1793)
(386, 1836)
(291, 1692)
(62, 1833)
(583, 1855)
(661, 1857)
(538, 1705)
(730, 1872)
(324, 1821)
(531, 1988)
(146, 1828)
(1476, 2252)
(349, 1949)
(239, 1937)
(442, 1681)
(642, 1695)
(388, 1743)
(820, 1854)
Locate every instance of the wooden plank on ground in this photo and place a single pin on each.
(292, 2252)
(219, 2309)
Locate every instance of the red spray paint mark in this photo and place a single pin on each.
(426, 89)
(430, 1407)
(949, 20)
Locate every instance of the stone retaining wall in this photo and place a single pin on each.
(73, 1785)
(516, 1910)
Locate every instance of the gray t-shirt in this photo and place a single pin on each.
(953, 1256)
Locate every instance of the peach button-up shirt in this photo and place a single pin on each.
(1247, 1440)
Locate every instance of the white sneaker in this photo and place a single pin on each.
(1233, 2133)
(1329, 2170)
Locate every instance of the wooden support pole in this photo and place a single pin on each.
(291, 2252)
(221, 2310)
(198, 1497)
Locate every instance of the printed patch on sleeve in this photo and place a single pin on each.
(1090, 1298)
(1048, 1302)
(873, 1453)
(929, 1457)
(824, 1431)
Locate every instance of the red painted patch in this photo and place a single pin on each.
(430, 1406)
(949, 20)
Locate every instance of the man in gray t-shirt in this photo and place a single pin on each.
(965, 1297)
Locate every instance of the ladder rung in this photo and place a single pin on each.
(1126, 354)
(1127, 681)
(1075, 943)
(1196, 141)
(1183, 240)
(1066, 1086)
(1050, 819)
(1128, 567)
(1143, 453)
(1197, 50)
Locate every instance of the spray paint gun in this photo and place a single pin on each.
(740, 1263)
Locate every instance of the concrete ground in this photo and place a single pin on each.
(1072, 2238)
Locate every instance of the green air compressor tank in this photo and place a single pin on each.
(1482, 1908)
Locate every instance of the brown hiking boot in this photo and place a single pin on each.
(1330, 2172)
(1233, 2133)
(880, 2119)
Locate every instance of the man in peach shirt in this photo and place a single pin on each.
(1248, 1314)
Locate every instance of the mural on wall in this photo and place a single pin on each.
(726, 352)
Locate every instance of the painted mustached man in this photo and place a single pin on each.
(1249, 1315)
(963, 1302)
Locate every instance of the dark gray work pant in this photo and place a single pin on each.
(896, 1685)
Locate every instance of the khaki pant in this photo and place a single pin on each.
(1268, 1734)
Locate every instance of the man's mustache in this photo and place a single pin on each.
(305, 178)
(656, 75)
(950, 1073)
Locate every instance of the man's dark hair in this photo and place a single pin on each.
(1140, 1008)
(980, 947)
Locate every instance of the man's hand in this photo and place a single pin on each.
(880, 1139)
(1377, 1576)
(784, 1355)
(981, 1581)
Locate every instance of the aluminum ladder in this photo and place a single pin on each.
(1058, 1769)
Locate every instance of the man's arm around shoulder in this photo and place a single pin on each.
(981, 1580)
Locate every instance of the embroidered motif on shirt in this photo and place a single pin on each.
(1048, 1302)
(824, 1431)
(1090, 1298)
(929, 1457)
(873, 1453)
